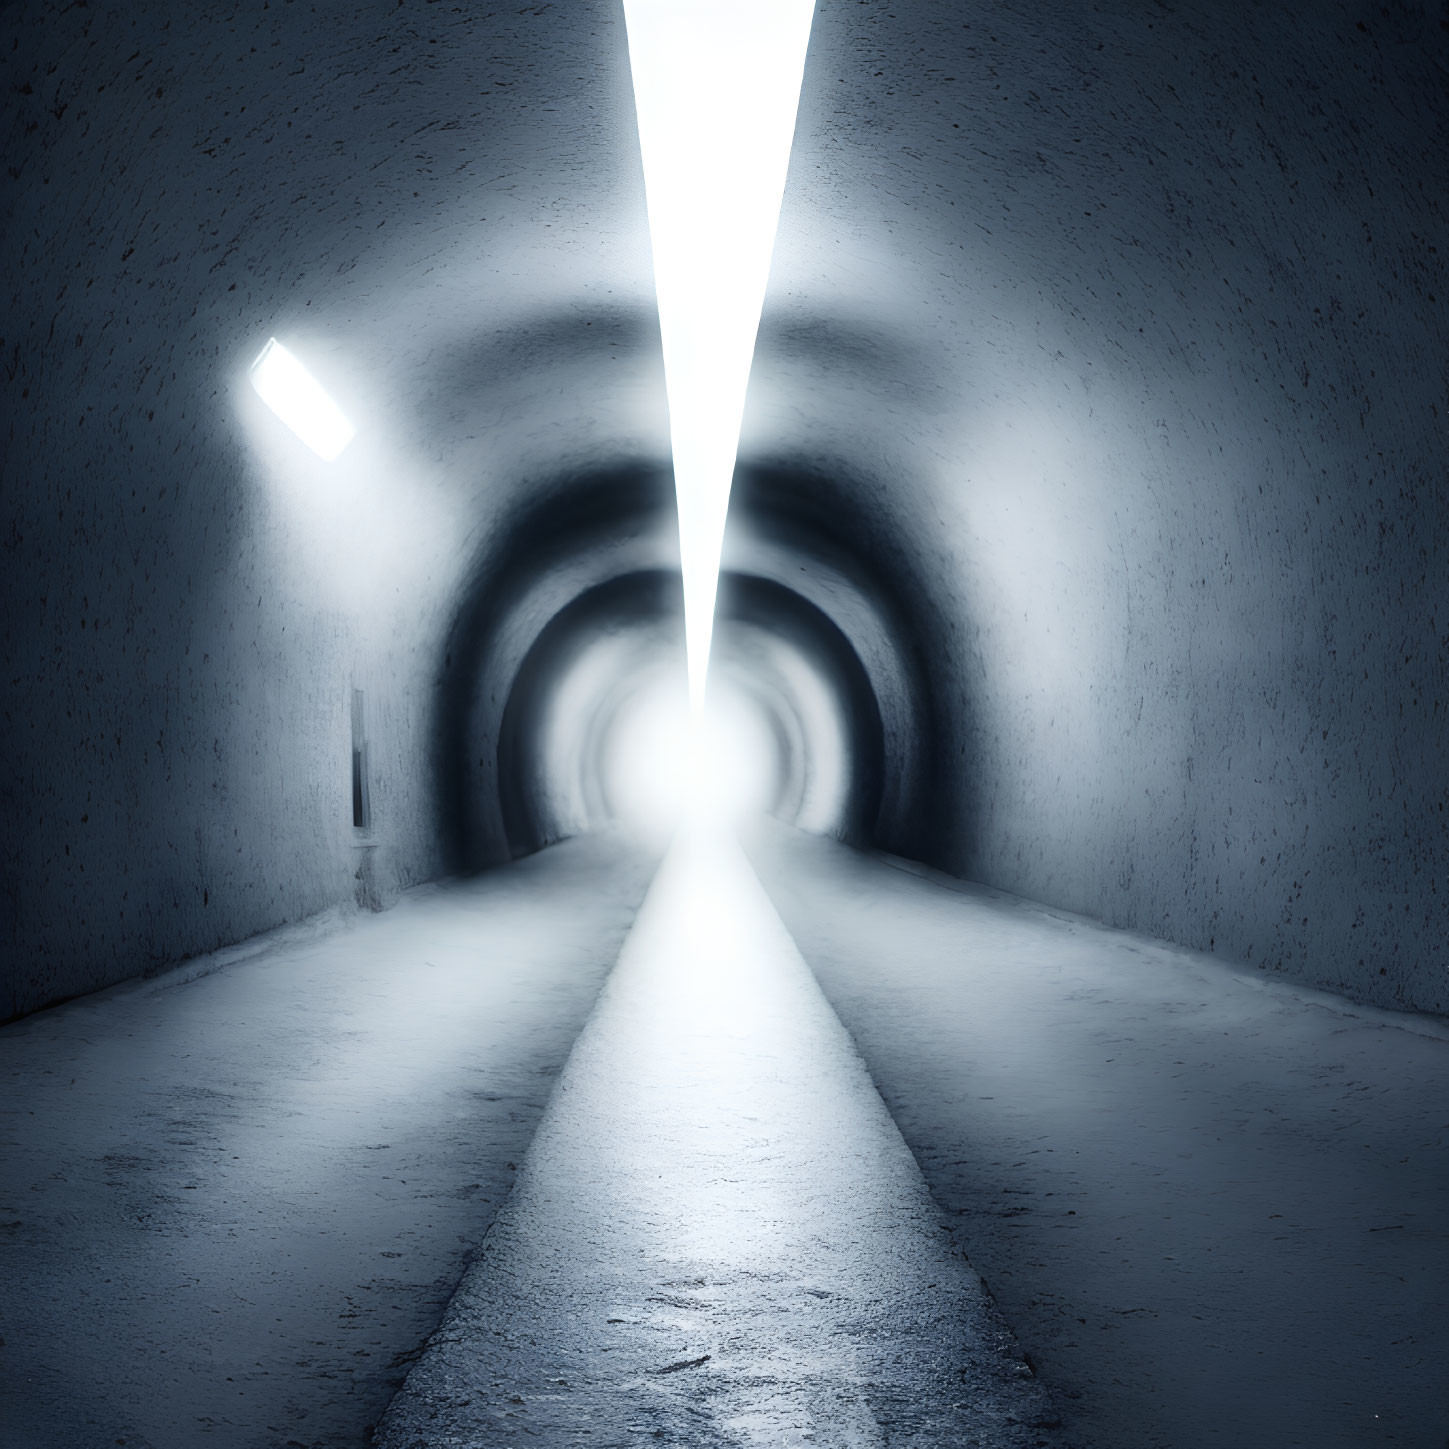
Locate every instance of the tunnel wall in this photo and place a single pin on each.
(1100, 402)
(442, 212)
(1129, 325)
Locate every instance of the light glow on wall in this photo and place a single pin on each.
(300, 401)
(716, 89)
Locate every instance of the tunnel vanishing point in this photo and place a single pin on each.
(1086, 574)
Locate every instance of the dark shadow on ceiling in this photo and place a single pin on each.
(460, 372)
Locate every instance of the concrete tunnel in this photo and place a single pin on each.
(1083, 591)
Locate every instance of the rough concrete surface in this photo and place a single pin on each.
(1214, 1210)
(232, 1207)
(718, 1237)
(1103, 358)
(1116, 336)
(441, 212)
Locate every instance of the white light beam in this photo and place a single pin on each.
(299, 400)
(716, 88)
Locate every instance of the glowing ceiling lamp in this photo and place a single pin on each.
(298, 399)
(716, 87)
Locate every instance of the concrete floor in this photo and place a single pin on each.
(719, 1237)
(233, 1206)
(1214, 1209)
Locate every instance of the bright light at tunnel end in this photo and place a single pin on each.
(651, 770)
(300, 401)
(716, 89)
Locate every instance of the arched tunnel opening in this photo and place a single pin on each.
(1001, 999)
(547, 648)
(595, 716)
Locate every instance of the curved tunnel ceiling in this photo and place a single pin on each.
(1095, 386)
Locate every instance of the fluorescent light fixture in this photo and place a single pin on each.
(716, 88)
(298, 399)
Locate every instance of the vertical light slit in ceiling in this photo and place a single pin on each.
(716, 88)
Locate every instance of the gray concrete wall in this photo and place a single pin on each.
(442, 213)
(1100, 403)
(1128, 324)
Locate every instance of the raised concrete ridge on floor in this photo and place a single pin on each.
(719, 1237)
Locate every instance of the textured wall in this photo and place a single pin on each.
(442, 212)
(1100, 406)
(1127, 326)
